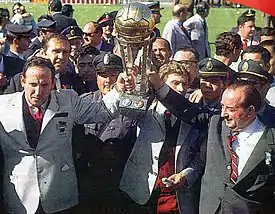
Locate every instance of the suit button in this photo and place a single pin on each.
(228, 167)
(156, 158)
(111, 143)
(154, 173)
(112, 128)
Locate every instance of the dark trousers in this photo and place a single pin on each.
(72, 210)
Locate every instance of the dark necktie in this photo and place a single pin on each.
(204, 26)
(234, 159)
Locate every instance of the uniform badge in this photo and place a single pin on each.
(245, 66)
(61, 127)
(209, 65)
(106, 59)
(72, 32)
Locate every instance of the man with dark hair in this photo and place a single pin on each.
(67, 10)
(258, 54)
(62, 21)
(228, 47)
(270, 46)
(246, 29)
(92, 35)
(161, 52)
(45, 28)
(39, 174)
(173, 31)
(197, 28)
(267, 33)
(86, 77)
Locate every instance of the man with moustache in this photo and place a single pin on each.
(161, 52)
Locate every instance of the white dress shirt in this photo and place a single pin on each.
(2, 65)
(247, 140)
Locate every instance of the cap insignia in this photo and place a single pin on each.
(106, 59)
(245, 66)
(72, 32)
(209, 65)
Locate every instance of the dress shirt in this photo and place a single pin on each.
(57, 81)
(19, 55)
(2, 65)
(99, 45)
(247, 140)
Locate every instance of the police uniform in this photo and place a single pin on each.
(105, 20)
(211, 67)
(155, 8)
(252, 72)
(17, 31)
(67, 9)
(43, 25)
(116, 140)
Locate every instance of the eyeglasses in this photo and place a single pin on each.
(187, 62)
(15, 9)
(89, 34)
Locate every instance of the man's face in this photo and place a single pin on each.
(58, 52)
(160, 53)
(156, 15)
(178, 82)
(189, 61)
(23, 43)
(37, 85)
(105, 80)
(247, 29)
(90, 36)
(108, 28)
(255, 57)
(47, 33)
(211, 88)
(235, 116)
(272, 60)
(86, 68)
(75, 47)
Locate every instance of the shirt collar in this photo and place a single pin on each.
(99, 45)
(2, 65)
(250, 129)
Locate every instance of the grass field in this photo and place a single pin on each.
(219, 20)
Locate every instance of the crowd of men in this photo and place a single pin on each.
(205, 144)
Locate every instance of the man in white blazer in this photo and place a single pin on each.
(165, 162)
(35, 136)
(197, 28)
(173, 31)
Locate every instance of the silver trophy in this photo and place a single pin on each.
(134, 31)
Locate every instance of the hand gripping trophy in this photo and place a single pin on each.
(134, 28)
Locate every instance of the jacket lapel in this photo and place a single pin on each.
(50, 111)
(258, 154)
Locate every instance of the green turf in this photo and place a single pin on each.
(219, 20)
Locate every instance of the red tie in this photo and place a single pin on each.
(244, 44)
(37, 115)
(234, 159)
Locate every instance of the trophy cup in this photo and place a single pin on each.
(134, 31)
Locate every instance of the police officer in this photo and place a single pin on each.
(215, 76)
(67, 10)
(45, 28)
(18, 37)
(156, 15)
(117, 138)
(107, 23)
(252, 72)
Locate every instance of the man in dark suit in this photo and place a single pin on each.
(92, 35)
(156, 15)
(240, 157)
(62, 21)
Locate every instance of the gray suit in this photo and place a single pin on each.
(141, 169)
(174, 34)
(195, 26)
(46, 173)
(254, 191)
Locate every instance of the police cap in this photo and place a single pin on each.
(105, 19)
(155, 7)
(210, 67)
(47, 25)
(72, 32)
(18, 30)
(67, 8)
(107, 62)
(251, 70)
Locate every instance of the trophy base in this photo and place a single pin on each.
(133, 103)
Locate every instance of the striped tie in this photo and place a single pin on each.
(234, 159)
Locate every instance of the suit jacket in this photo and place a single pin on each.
(63, 21)
(254, 191)
(267, 115)
(106, 46)
(35, 45)
(141, 169)
(195, 26)
(11, 54)
(176, 36)
(47, 173)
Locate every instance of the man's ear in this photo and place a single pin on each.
(22, 80)
(54, 83)
(251, 109)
